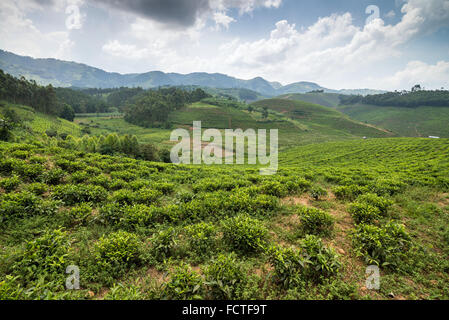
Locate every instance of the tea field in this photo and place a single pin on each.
(144, 230)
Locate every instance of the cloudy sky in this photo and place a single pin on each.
(379, 44)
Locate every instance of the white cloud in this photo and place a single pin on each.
(418, 72)
(19, 34)
(221, 19)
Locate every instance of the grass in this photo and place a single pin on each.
(408, 122)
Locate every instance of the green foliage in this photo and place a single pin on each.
(10, 289)
(46, 256)
(315, 221)
(72, 194)
(124, 292)
(381, 203)
(385, 246)
(225, 278)
(313, 262)
(317, 193)
(37, 188)
(323, 262)
(54, 176)
(24, 204)
(245, 234)
(201, 239)
(10, 184)
(350, 192)
(80, 214)
(363, 212)
(117, 251)
(184, 284)
(163, 243)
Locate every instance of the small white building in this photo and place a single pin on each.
(433, 137)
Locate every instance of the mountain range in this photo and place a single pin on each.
(71, 74)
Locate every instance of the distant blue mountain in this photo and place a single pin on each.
(71, 74)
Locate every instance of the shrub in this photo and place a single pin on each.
(45, 257)
(315, 221)
(226, 278)
(322, 262)
(350, 192)
(364, 213)
(184, 284)
(31, 172)
(164, 187)
(10, 289)
(79, 177)
(288, 266)
(80, 214)
(138, 215)
(10, 184)
(384, 246)
(317, 192)
(117, 251)
(163, 244)
(274, 188)
(387, 187)
(381, 203)
(110, 213)
(37, 188)
(201, 239)
(24, 204)
(72, 194)
(147, 196)
(54, 176)
(245, 234)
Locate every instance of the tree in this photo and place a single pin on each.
(250, 109)
(265, 113)
(67, 112)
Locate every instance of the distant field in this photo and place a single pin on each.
(409, 122)
(320, 120)
(330, 100)
(40, 123)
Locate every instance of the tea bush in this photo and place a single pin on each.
(10, 289)
(72, 194)
(163, 244)
(117, 251)
(37, 188)
(274, 188)
(315, 221)
(184, 284)
(350, 192)
(24, 204)
(384, 246)
(363, 212)
(201, 239)
(80, 214)
(288, 266)
(46, 256)
(226, 278)
(10, 184)
(54, 176)
(381, 203)
(136, 216)
(322, 262)
(317, 193)
(245, 234)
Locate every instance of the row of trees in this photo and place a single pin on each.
(413, 99)
(40, 98)
(152, 108)
(114, 144)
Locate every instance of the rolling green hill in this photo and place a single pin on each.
(408, 122)
(331, 100)
(36, 123)
(321, 121)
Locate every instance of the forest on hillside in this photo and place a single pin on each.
(409, 99)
